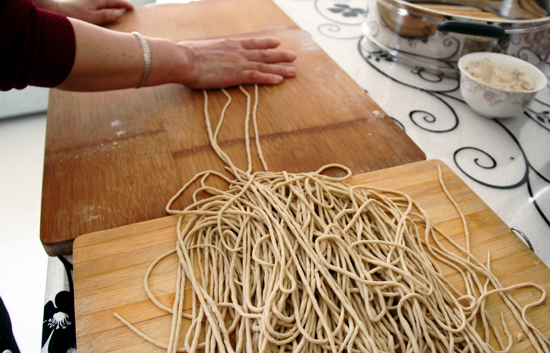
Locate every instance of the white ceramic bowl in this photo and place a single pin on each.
(492, 102)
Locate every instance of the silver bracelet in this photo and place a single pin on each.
(146, 60)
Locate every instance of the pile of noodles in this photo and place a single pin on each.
(303, 262)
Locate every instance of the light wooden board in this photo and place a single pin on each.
(109, 266)
(114, 158)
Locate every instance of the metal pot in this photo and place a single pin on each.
(434, 35)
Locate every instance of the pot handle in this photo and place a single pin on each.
(476, 29)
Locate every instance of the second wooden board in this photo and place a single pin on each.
(109, 266)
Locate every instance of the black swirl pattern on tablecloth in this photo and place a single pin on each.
(345, 17)
(444, 92)
(400, 124)
(539, 111)
(542, 118)
(489, 162)
(331, 29)
(424, 119)
(428, 76)
(343, 12)
(413, 77)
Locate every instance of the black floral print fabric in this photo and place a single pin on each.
(58, 327)
(7, 341)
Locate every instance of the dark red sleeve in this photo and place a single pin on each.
(37, 47)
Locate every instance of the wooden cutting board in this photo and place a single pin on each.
(109, 266)
(115, 158)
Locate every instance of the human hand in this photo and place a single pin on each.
(92, 11)
(231, 62)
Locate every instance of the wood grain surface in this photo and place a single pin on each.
(115, 158)
(109, 266)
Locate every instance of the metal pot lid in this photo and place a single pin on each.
(498, 11)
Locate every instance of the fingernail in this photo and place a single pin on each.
(117, 13)
(291, 70)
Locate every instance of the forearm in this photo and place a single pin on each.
(109, 60)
